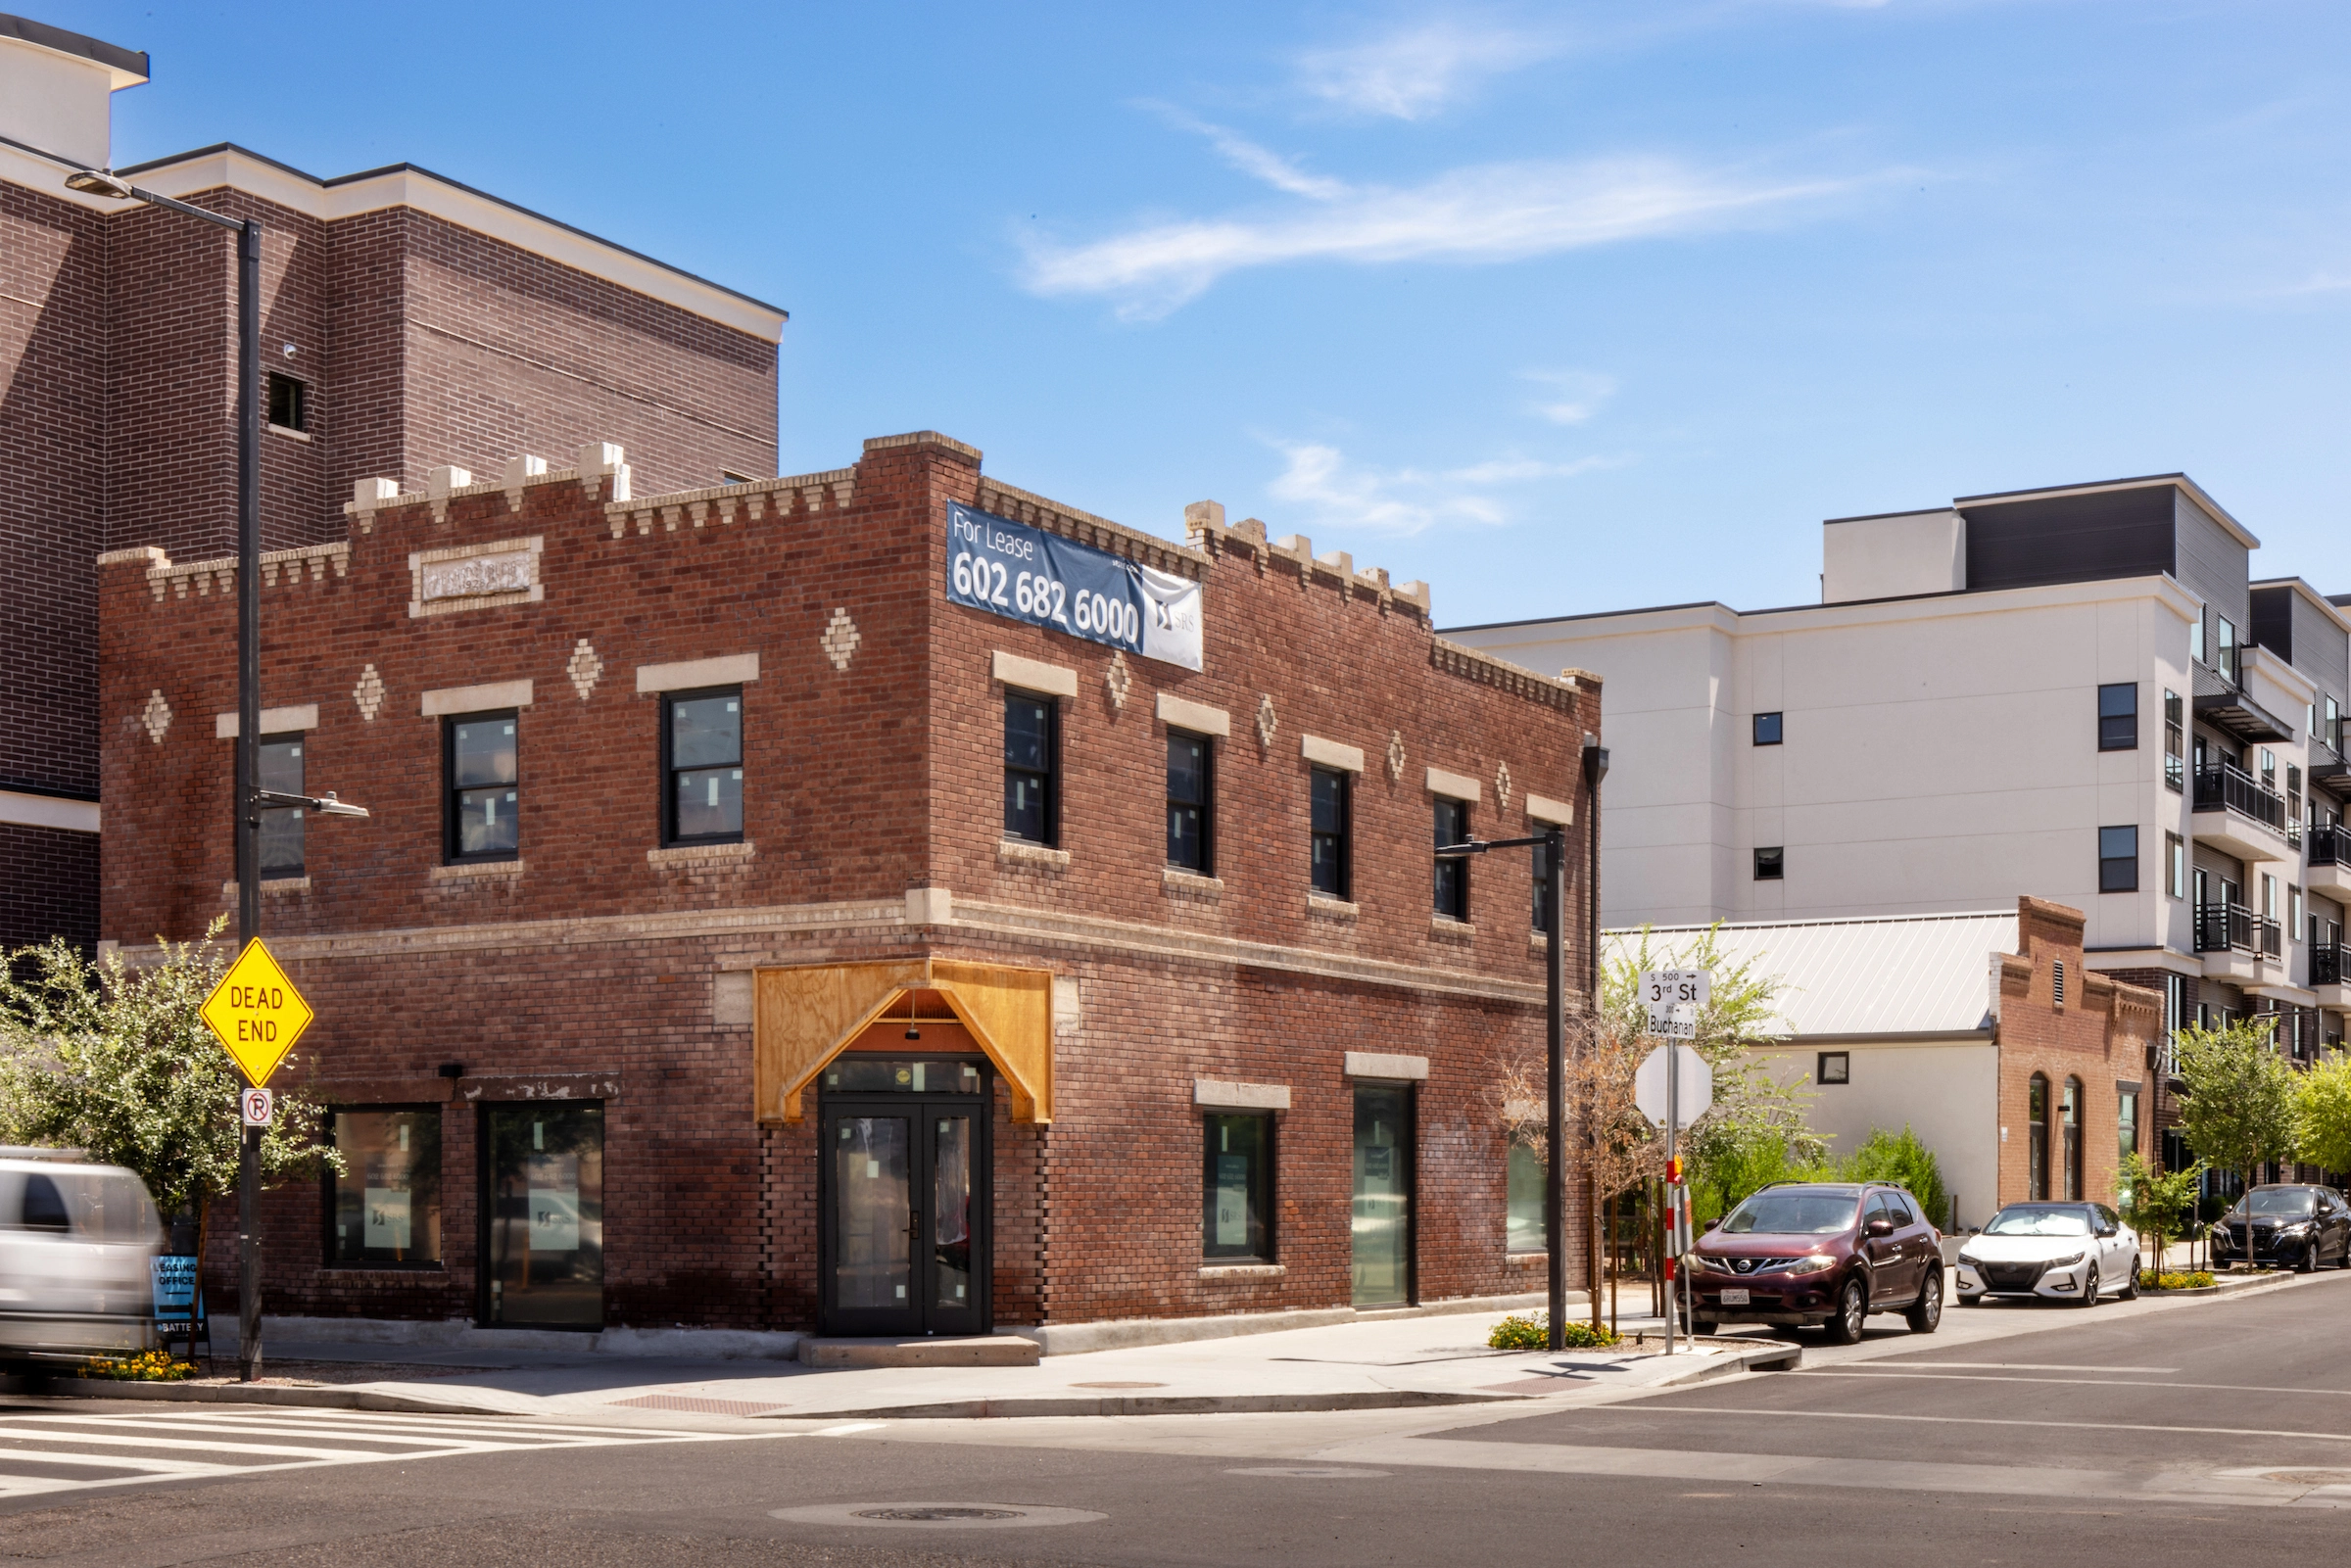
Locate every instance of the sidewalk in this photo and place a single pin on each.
(1381, 1365)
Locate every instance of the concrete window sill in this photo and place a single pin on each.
(1336, 909)
(289, 433)
(1451, 929)
(700, 854)
(1213, 1272)
(1192, 884)
(272, 887)
(477, 870)
(1015, 852)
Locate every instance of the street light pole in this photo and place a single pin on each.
(247, 823)
(1552, 867)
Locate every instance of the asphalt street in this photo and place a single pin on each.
(2154, 1432)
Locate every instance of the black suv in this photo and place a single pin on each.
(1819, 1253)
(2293, 1225)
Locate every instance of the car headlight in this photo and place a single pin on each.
(2300, 1227)
(1970, 1259)
(1818, 1262)
(2067, 1261)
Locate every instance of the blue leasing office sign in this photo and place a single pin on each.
(174, 1288)
(1027, 574)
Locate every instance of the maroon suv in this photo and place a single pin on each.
(1819, 1253)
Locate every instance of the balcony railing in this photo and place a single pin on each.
(2330, 963)
(2226, 785)
(2233, 928)
(2331, 845)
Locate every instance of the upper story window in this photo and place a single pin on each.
(2118, 717)
(1031, 762)
(2175, 741)
(1189, 801)
(289, 403)
(483, 786)
(1767, 729)
(1771, 863)
(2331, 725)
(1453, 870)
(2118, 859)
(701, 764)
(2224, 652)
(1328, 832)
(2195, 638)
(281, 826)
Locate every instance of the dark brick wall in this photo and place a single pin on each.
(53, 881)
(861, 783)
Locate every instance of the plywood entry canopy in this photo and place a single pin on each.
(805, 1017)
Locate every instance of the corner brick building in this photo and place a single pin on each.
(407, 321)
(816, 951)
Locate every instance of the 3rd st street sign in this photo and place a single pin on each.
(257, 1012)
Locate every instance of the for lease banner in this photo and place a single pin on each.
(1027, 574)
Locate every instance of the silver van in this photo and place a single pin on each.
(76, 1243)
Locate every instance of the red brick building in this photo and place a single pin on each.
(407, 320)
(739, 909)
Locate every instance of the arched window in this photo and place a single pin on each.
(2070, 1110)
(2036, 1139)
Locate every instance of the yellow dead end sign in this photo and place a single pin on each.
(257, 1012)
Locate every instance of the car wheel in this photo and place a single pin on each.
(1705, 1327)
(1852, 1311)
(2090, 1288)
(1927, 1311)
(1977, 1299)
(2130, 1292)
(2308, 1262)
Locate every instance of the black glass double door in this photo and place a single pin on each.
(903, 1186)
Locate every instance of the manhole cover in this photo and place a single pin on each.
(1310, 1472)
(935, 1515)
(1117, 1384)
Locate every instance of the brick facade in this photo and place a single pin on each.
(602, 967)
(421, 342)
(2065, 1025)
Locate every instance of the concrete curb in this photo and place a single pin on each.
(1161, 1404)
(317, 1399)
(1757, 1358)
(1134, 1333)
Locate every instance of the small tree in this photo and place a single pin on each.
(1900, 1159)
(2238, 1109)
(2158, 1206)
(2322, 1114)
(117, 1060)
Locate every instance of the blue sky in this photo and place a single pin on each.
(1561, 310)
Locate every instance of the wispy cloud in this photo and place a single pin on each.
(1416, 71)
(1256, 162)
(1573, 395)
(1496, 213)
(1334, 492)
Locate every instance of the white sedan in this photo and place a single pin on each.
(2058, 1252)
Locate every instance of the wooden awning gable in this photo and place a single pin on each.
(805, 1017)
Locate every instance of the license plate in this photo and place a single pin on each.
(1733, 1298)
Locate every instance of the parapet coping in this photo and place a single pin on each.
(162, 572)
(1205, 520)
(1475, 664)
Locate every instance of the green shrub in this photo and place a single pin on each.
(1532, 1332)
(1905, 1162)
(148, 1367)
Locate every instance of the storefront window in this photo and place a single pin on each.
(1526, 1228)
(385, 1205)
(544, 1166)
(1237, 1188)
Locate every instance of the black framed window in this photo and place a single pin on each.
(1188, 814)
(1525, 1224)
(289, 403)
(2036, 1139)
(2070, 1108)
(1832, 1067)
(384, 1208)
(701, 766)
(1771, 863)
(1030, 761)
(1236, 1216)
(480, 762)
(2118, 717)
(1767, 729)
(2175, 743)
(1329, 830)
(2118, 859)
(281, 826)
(1453, 870)
(2175, 866)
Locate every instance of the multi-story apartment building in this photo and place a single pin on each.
(2081, 694)
(408, 321)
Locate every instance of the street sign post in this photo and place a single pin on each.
(256, 1013)
(1674, 1088)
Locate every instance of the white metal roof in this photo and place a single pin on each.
(1886, 975)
